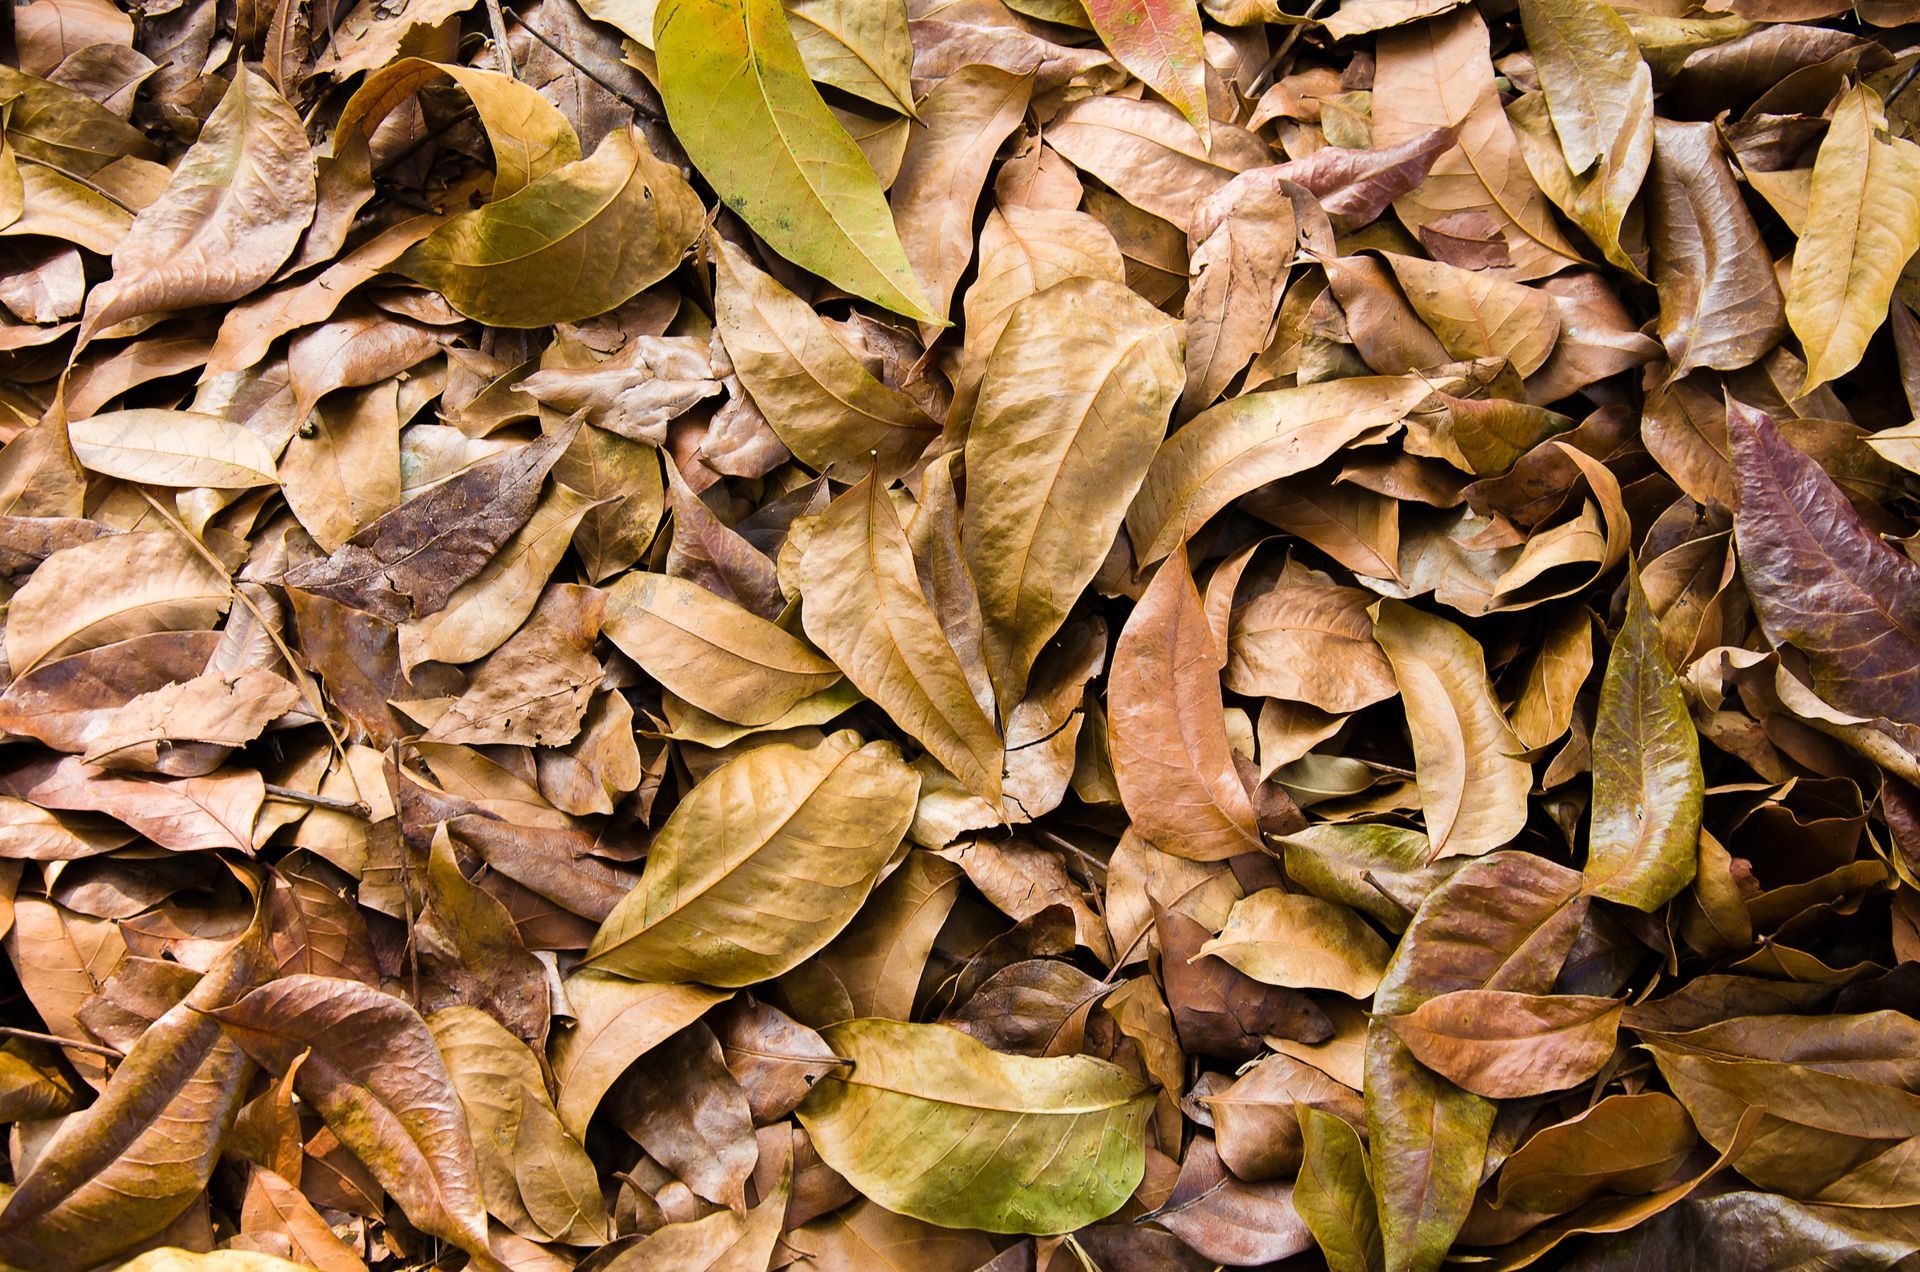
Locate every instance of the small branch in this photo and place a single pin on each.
(56, 1040)
(1286, 46)
(330, 802)
(1900, 85)
(788, 1055)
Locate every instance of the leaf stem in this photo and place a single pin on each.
(70, 1044)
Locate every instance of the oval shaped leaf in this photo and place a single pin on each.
(1073, 404)
(172, 448)
(576, 242)
(761, 864)
(1004, 1143)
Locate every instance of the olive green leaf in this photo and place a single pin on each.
(1000, 1142)
(1647, 783)
(576, 242)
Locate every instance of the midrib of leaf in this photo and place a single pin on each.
(1014, 1110)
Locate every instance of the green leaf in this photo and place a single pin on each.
(1334, 1193)
(576, 242)
(1428, 1142)
(999, 1142)
(740, 101)
(1647, 785)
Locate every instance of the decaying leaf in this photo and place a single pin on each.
(957, 636)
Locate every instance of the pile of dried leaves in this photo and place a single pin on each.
(959, 634)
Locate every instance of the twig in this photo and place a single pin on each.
(788, 1055)
(1900, 85)
(56, 1040)
(1286, 46)
(631, 102)
(332, 803)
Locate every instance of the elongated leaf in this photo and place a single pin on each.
(1473, 786)
(118, 1172)
(1005, 1143)
(813, 827)
(373, 1072)
(1820, 579)
(711, 652)
(1505, 1045)
(172, 448)
(1863, 224)
(1171, 758)
(1427, 1140)
(1720, 304)
(740, 102)
(1647, 783)
(1334, 1193)
(829, 409)
(231, 215)
(863, 606)
(576, 242)
(1243, 444)
(1074, 402)
(1159, 41)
